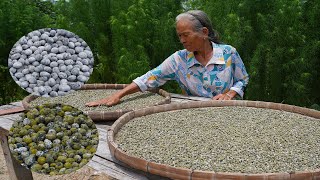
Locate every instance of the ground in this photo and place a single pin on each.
(85, 173)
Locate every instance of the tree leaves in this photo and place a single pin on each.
(278, 40)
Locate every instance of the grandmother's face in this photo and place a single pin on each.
(190, 39)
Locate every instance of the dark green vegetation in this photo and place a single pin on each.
(278, 40)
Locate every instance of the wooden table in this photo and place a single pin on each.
(102, 161)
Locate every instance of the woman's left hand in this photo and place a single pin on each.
(226, 96)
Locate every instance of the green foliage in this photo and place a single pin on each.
(128, 36)
(278, 40)
(10, 91)
(311, 50)
(273, 40)
(143, 36)
(315, 106)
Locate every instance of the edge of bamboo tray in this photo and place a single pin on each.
(183, 173)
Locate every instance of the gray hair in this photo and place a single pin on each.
(200, 20)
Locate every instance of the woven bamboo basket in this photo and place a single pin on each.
(182, 173)
(105, 115)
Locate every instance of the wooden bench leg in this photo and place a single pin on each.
(15, 169)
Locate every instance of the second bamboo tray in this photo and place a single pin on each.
(184, 173)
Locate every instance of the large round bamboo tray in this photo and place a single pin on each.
(105, 115)
(182, 173)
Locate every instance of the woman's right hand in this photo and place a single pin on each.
(115, 98)
(109, 101)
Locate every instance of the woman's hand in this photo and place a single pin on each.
(115, 98)
(109, 101)
(226, 96)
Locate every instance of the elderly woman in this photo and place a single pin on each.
(204, 68)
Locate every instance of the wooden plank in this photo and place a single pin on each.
(114, 170)
(15, 169)
(19, 104)
(103, 148)
(102, 126)
(11, 105)
(5, 123)
(11, 110)
(8, 106)
(7, 120)
(119, 171)
(11, 117)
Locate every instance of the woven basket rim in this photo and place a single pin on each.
(177, 173)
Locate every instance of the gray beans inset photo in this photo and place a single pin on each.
(50, 62)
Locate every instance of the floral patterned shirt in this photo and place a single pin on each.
(225, 71)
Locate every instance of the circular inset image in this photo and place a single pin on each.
(50, 62)
(53, 139)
